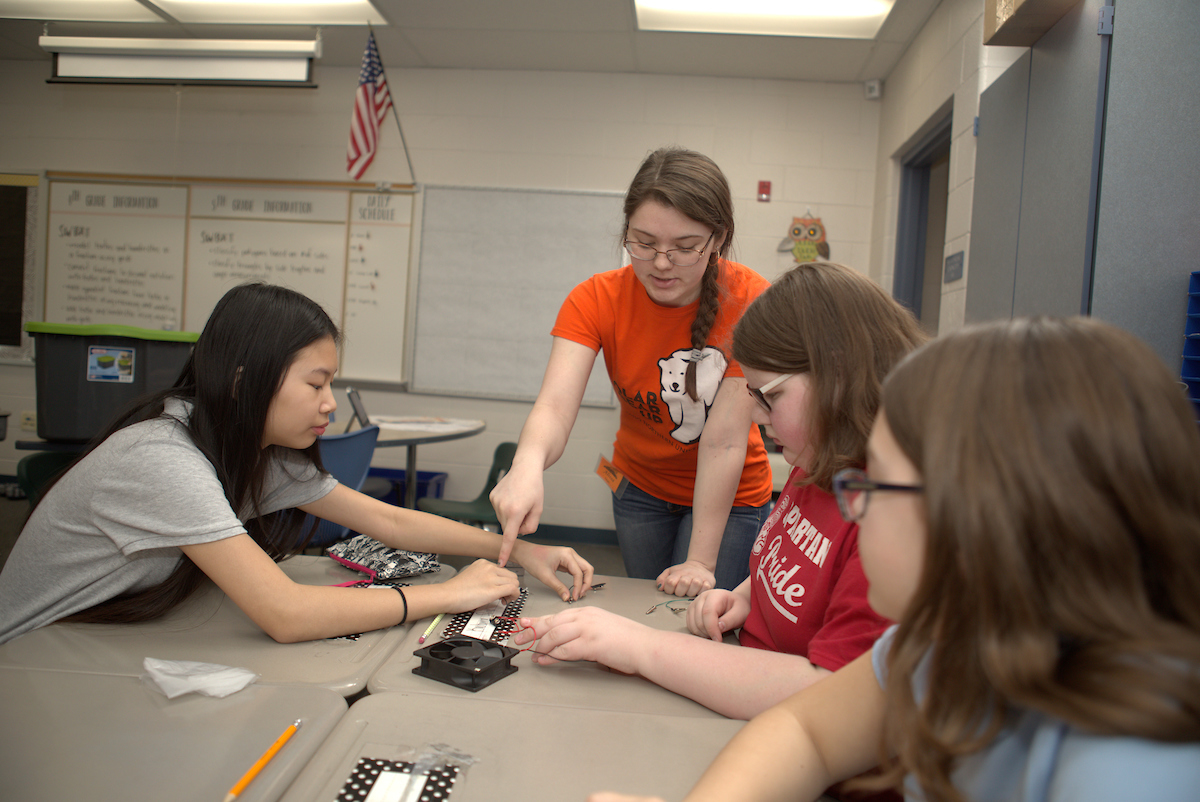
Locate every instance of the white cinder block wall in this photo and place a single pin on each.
(822, 145)
(946, 67)
(815, 142)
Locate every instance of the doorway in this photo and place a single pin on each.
(921, 226)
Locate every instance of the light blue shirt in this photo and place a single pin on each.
(1037, 758)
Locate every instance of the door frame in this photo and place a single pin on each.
(913, 215)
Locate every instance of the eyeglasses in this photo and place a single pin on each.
(758, 396)
(680, 257)
(853, 490)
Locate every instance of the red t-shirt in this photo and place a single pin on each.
(645, 349)
(808, 593)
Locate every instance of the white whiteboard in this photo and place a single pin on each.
(115, 255)
(495, 266)
(159, 256)
(294, 239)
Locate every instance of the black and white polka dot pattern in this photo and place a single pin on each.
(438, 783)
(502, 628)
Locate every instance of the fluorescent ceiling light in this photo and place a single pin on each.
(838, 19)
(73, 68)
(273, 12)
(78, 10)
(213, 12)
(248, 48)
(90, 59)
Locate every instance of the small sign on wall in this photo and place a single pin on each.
(954, 268)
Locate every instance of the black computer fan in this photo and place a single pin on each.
(466, 662)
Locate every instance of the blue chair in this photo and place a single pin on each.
(348, 457)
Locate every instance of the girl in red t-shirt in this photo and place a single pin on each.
(815, 348)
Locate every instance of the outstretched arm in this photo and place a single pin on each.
(715, 674)
(719, 463)
(290, 612)
(403, 528)
(520, 495)
(823, 735)
(797, 749)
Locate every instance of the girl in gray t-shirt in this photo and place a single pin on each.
(212, 478)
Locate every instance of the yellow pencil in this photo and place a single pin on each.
(262, 761)
(432, 626)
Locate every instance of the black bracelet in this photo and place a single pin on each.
(404, 598)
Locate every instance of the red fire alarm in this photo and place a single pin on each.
(764, 191)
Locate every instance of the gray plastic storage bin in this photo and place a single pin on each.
(86, 375)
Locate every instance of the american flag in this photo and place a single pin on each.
(371, 103)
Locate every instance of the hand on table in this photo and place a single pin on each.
(715, 612)
(482, 582)
(689, 578)
(543, 561)
(586, 633)
(517, 498)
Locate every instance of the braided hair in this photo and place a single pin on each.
(692, 184)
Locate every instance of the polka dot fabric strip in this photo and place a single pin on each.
(372, 774)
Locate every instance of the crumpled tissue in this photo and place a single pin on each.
(177, 677)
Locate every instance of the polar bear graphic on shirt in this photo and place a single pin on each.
(689, 415)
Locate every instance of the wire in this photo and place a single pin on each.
(533, 643)
(668, 603)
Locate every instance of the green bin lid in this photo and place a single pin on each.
(34, 327)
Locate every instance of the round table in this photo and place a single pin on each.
(412, 431)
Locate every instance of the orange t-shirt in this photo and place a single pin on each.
(645, 350)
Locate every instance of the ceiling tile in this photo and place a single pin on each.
(524, 50)
(592, 36)
(750, 56)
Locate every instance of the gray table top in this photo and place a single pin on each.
(69, 735)
(576, 685)
(209, 628)
(519, 751)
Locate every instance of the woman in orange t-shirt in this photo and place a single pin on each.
(692, 477)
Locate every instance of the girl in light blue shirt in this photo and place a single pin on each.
(1030, 516)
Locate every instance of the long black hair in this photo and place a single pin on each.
(239, 361)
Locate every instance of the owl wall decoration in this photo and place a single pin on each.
(806, 240)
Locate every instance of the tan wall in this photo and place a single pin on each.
(946, 68)
(816, 143)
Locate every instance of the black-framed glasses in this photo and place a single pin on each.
(853, 489)
(680, 257)
(758, 396)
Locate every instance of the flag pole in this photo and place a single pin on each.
(395, 114)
